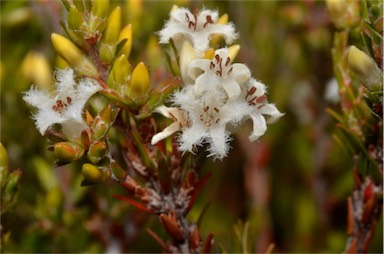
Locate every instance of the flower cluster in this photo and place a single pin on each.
(196, 27)
(217, 94)
(65, 107)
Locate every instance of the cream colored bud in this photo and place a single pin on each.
(36, 68)
(344, 13)
(139, 82)
(187, 54)
(68, 151)
(107, 52)
(112, 29)
(365, 69)
(108, 45)
(97, 151)
(223, 19)
(233, 51)
(100, 8)
(73, 56)
(126, 34)
(94, 174)
(121, 70)
(75, 18)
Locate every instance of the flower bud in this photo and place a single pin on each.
(344, 13)
(103, 121)
(126, 34)
(35, 67)
(75, 18)
(107, 52)
(112, 29)
(139, 85)
(223, 19)
(108, 44)
(97, 151)
(96, 25)
(233, 51)
(121, 70)
(187, 54)
(365, 68)
(74, 56)
(93, 174)
(68, 151)
(100, 8)
(108, 114)
(99, 130)
(81, 5)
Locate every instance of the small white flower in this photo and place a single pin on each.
(65, 107)
(220, 70)
(207, 117)
(203, 120)
(258, 107)
(196, 27)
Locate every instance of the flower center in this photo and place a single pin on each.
(210, 116)
(192, 20)
(61, 105)
(219, 68)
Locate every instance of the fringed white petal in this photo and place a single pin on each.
(191, 137)
(218, 142)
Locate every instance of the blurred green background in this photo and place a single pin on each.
(289, 188)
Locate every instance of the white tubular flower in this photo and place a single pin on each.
(220, 70)
(66, 107)
(175, 114)
(258, 107)
(196, 27)
(208, 120)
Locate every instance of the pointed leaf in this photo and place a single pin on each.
(196, 191)
(133, 202)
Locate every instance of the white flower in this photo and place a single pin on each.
(202, 120)
(209, 119)
(258, 107)
(205, 117)
(65, 107)
(220, 70)
(196, 27)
